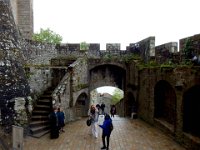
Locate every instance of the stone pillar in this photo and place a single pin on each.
(179, 114)
(20, 110)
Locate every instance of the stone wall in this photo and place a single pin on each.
(145, 48)
(107, 75)
(113, 46)
(13, 83)
(36, 53)
(180, 79)
(165, 52)
(80, 78)
(192, 46)
(37, 65)
(71, 86)
(12, 77)
(74, 50)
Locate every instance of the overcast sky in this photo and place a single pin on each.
(120, 21)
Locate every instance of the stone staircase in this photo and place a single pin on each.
(39, 124)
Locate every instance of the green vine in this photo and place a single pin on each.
(188, 50)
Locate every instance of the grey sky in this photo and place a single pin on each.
(120, 21)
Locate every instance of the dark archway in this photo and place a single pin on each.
(191, 111)
(82, 105)
(131, 105)
(165, 102)
(107, 75)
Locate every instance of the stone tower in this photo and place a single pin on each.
(13, 82)
(23, 14)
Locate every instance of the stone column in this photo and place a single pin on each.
(20, 110)
(179, 115)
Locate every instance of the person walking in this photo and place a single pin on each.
(61, 119)
(94, 116)
(107, 129)
(113, 110)
(102, 108)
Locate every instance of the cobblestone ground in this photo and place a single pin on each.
(127, 135)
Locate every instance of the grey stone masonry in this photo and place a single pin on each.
(13, 83)
(12, 78)
(164, 52)
(25, 17)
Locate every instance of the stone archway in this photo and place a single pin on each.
(165, 103)
(191, 111)
(82, 105)
(107, 75)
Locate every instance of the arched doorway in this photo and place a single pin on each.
(165, 103)
(82, 105)
(131, 105)
(191, 111)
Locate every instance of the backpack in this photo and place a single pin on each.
(111, 127)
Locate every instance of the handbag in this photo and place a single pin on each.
(89, 121)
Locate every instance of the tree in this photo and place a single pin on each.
(84, 46)
(47, 36)
(117, 95)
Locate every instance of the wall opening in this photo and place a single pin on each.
(82, 105)
(165, 102)
(191, 111)
(131, 105)
(106, 94)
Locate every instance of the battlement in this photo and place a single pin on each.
(146, 49)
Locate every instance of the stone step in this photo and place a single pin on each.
(40, 134)
(42, 107)
(48, 92)
(40, 112)
(39, 118)
(44, 102)
(39, 123)
(47, 96)
(36, 129)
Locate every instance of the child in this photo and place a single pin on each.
(106, 131)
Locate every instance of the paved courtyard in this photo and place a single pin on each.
(127, 135)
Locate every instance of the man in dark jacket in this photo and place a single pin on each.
(102, 108)
(54, 133)
(107, 124)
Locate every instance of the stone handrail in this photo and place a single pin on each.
(60, 89)
(62, 85)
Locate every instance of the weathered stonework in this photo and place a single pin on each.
(12, 76)
(23, 15)
(13, 83)
(164, 53)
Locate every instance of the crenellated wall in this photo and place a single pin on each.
(145, 48)
(167, 52)
(190, 47)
